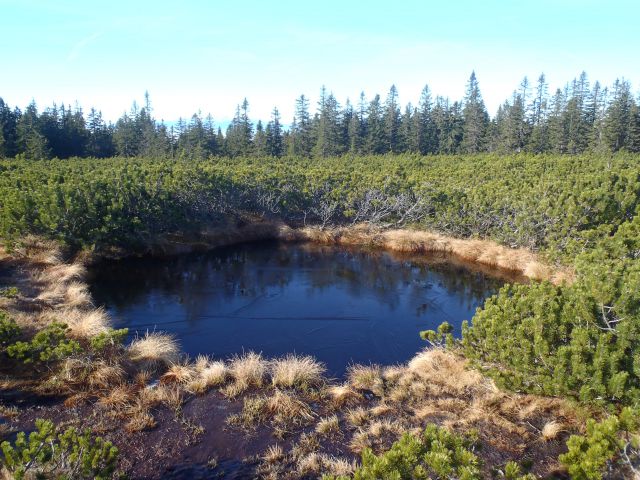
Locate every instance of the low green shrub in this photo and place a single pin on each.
(48, 345)
(9, 330)
(436, 454)
(48, 453)
(109, 339)
(9, 292)
(610, 445)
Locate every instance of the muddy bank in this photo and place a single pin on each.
(311, 430)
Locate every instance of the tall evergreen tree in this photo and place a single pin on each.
(100, 142)
(328, 126)
(539, 141)
(476, 118)
(8, 130)
(240, 132)
(375, 140)
(302, 141)
(392, 122)
(31, 141)
(274, 140)
(618, 116)
(425, 125)
(357, 129)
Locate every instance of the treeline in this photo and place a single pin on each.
(578, 118)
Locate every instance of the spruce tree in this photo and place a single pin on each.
(476, 118)
(301, 130)
(375, 140)
(392, 122)
(274, 140)
(618, 116)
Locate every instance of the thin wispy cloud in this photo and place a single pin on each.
(77, 49)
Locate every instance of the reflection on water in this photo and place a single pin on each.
(340, 305)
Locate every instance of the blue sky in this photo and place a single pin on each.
(208, 55)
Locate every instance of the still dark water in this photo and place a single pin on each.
(340, 305)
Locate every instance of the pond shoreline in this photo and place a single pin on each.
(483, 252)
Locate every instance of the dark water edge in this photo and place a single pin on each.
(340, 305)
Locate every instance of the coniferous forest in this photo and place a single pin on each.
(581, 117)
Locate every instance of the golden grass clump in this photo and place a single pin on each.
(62, 273)
(154, 349)
(537, 271)
(357, 416)
(342, 395)
(105, 375)
(76, 294)
(207, 374)
(446, 370)
(381, 427)
(286, 408)
(248, 369)
(86, 324)
(273, 454)
(320, 463)
(366, 377)
(381, 410)
(359, 441)
(296, 371)
(328, 425)
(140, 420)
(551, 430)
(118, 398)
(179, 373)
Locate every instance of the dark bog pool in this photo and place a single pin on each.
(340, 305)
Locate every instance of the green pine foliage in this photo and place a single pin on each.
(9, 330)
(48, 345)
(564, 204)
(50, 453)
(110, 339)
(436, 454)
(581, 341)
(609, 445)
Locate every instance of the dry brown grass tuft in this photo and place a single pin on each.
(86, 324)
(360, 441)
(357, 416)
(310, 464)
(179, 373)
(76, 294)
(340, 467)
(154, 349)
(215, 373)
(273, 454)
(296, 371)
(140, 420)
(537, 271)
(381, 427)
(328, 425)
(286, 408)
(320, 463)
(118, 398)
(381, 410)
(62, 273)
(105, 375)
(551, 430)
(249, 368)
(446, 370)
(342, 395)
(366, 377)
